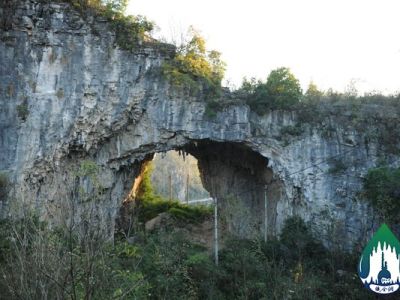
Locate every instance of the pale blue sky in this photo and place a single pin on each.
(328, 41)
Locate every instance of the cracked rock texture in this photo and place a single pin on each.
(68, 94)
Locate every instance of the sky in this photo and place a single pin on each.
(329, 42)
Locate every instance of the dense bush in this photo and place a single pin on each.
(130, 30)
(291, 130)
(36, 263)
(4, 186)
(337, 165)
(382, 189)
(281, 91)
(23, 111)
(295, 266)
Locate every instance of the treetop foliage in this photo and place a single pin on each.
(281, 90)
(313, 92)
(194, 66)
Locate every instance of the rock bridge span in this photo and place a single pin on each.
(68, 95)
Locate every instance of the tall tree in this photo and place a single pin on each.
(283, 88)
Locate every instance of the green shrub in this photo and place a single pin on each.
(130, 30)
(23, 111)
(60, 94)
(149, 209)
(382, 189)
(87, 168)
(10, 90)
(4, 186)
(292, 130)
(191, 213)
(298, 244)
(212, 108)
(167, 266)
(338, 166)
(5, 240)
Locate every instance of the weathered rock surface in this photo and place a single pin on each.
(86, 99)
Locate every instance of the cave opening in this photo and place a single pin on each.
(231, 172)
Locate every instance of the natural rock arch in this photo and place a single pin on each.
(86, 99)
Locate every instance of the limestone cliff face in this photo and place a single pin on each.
(69, 94)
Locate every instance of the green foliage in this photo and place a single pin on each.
(87, 168)
(281, 91)
(298, 244)
(313, 93)
(294, 267)
(169, 266)
(283, 88)
(10, 90)
(149, 209)
(145, 189)
(212, 108)
(60, 94)
(382, 189)
(292, 130)
(195, 68)
(23, 111)
(5, 242)
(4, 186)
(167, 263)
(117, 6)
(90, 188)
(130, 30)
(338, 166)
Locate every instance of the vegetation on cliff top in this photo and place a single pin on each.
(281, 90)
(130, 30)
(196, 69)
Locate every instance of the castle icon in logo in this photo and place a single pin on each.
(384, 276)
(379, 267)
